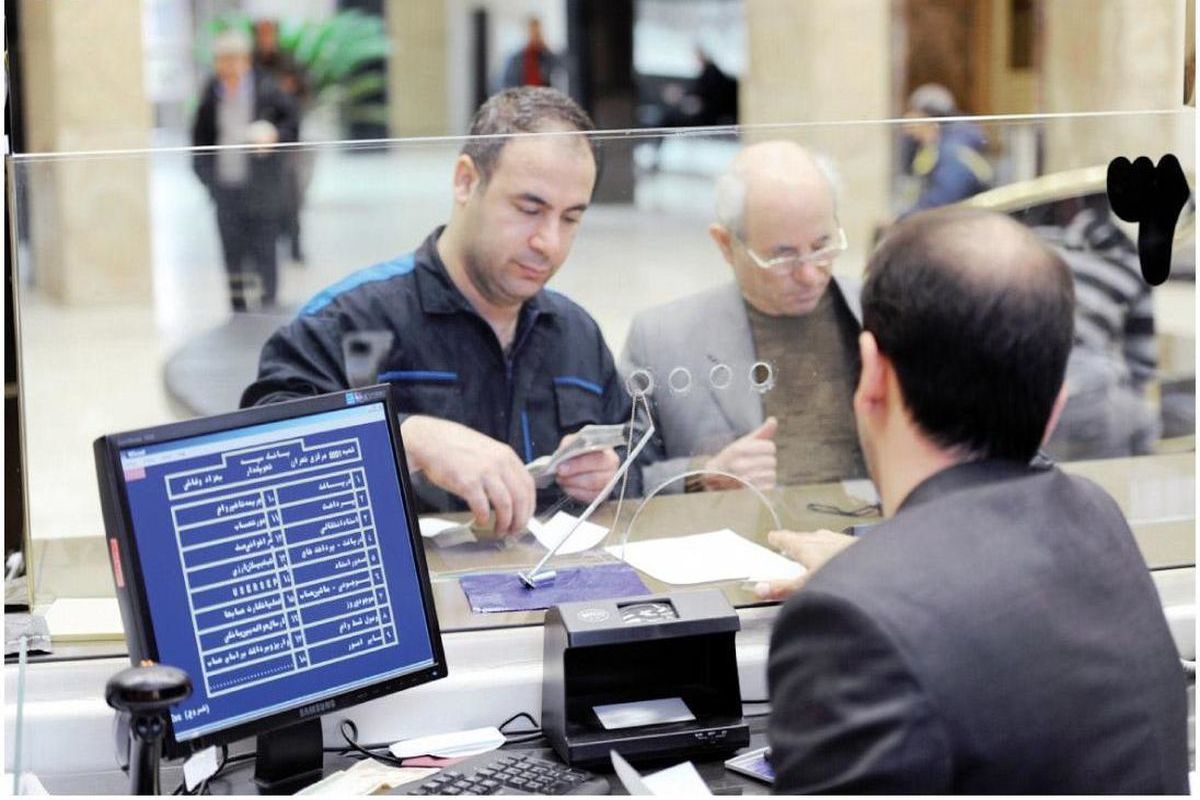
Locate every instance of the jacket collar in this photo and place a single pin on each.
(967, 476)
(850, 292)
(438, 294)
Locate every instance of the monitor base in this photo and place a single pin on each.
(290, 758)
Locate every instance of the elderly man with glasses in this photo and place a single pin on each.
(755, 378)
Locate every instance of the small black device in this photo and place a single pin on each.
(144, 693)
(503, 773)
(273, 554)
(860, 529)
(649, 677)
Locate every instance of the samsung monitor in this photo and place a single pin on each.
(272, 553)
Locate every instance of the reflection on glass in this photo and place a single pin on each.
(743, 367)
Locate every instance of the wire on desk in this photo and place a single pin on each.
(350, 733)
(520, 737)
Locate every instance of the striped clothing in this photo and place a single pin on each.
(1114, 307)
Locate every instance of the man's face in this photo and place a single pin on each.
(783, 220)
(920, 128)
(266, 36)
(230, 67)
(522, 221)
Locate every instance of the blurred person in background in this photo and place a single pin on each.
(1115, 356)
(711, 99)
(534, 64)
(947, 157)
(289, 76)
(241, 107)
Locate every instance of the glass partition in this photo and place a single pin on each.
(150, 282)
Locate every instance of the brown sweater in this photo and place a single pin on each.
(816, 365)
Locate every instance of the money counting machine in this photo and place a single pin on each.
(650, 677)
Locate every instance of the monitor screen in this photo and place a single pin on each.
(275, 561)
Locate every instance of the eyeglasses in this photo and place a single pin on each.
(822, 259)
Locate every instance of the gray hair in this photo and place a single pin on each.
(526, 109)
(933, 99)
(730, 192)
(232, 42)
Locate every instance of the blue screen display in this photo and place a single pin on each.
(278, 563)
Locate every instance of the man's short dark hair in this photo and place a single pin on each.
(977, 316)
(525, 109)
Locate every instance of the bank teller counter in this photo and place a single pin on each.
(1156, 493)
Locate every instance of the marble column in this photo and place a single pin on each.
(417, 84)
(1116, 55)
(83, 91)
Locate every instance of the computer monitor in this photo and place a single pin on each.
(274, 555)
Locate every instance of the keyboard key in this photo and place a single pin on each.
(506, 774)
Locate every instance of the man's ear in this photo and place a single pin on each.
(1059, 403)
(466, 178)
(724, 239)
(871, 395)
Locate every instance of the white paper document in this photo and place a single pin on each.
(681, 780)
(706, 557)
(458, 744)
(199, 767)
(444, 533)
(365, 778)
(585, 537)
(643, 712)
(81, 618)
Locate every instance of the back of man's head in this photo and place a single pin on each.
(976, 315)
(525, 109)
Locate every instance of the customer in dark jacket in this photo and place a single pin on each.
(1000, 633)
(492, 369)
(244, 113)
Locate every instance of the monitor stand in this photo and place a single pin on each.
(290, 758)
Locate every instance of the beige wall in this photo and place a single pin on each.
(816, 61)
(1108, 56)
(417, 83)
(83, 91)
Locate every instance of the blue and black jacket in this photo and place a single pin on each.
(445, 360)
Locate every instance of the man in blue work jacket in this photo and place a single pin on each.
(491, 369)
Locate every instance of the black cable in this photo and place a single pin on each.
(516, 717)
(521, 737)
(349, 732)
